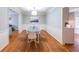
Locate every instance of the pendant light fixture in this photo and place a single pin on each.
(34, 12)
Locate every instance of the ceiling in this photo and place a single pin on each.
(11, 13)
(40, 10)
(74, 10)
(43, 10)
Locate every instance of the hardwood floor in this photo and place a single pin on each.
(47, 44)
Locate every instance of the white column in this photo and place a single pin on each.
(20, 23)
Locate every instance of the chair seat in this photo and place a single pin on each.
(32, 36)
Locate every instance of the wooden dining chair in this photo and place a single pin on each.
(32, 37)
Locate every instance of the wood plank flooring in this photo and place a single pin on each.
(47, 44)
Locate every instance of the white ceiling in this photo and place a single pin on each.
(40, 10)
(74, 9)
(36, 8)
(11, 12)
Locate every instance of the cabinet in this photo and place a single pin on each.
(68, 35)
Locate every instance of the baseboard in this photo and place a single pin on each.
(4, 46)
(4, 38)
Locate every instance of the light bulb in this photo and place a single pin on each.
(34, 12)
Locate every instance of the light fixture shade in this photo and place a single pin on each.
(34, 12)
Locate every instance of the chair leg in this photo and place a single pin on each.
(35, 44)
(29, 43)
(38, 39)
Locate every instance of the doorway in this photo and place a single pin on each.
(13, 24)
(77, 28)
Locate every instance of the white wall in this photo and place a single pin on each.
(76, 23)
(54, 23)
(42, 21)
(4, 27)
(76, 18)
